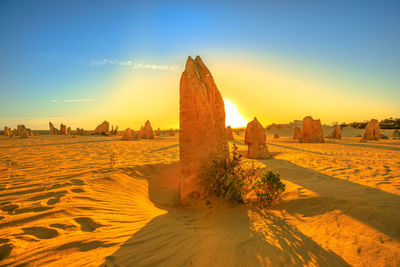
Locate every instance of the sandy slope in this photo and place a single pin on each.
(100, 201)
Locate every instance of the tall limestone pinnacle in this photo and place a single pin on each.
(202, 137)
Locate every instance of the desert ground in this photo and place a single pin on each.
(99, 201)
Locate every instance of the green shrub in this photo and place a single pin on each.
(269, 187)
(230, 180)
(225, 178)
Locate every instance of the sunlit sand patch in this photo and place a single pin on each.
(60, 211)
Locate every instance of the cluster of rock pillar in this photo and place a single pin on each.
(145, 132)
(21, 132)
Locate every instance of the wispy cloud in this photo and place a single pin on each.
(153, 66)
(103, 62)
(73, 100)
(133, 65)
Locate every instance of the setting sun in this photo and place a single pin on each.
(233, 117)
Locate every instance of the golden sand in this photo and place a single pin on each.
(101, 201)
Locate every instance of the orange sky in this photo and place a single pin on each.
(271, 91)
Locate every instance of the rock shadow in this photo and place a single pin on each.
(372, 206)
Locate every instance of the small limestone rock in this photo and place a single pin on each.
(297, 133)
(114, 131)
(147, 131)
(53, 130)
(255, 140)
(312, 131)
(103, 128)
(276, 136)
(80, 131)
(372, 131)
(141, 133)
(128, 135)
(7, 131)
(336, 133)
(63, 129)
(229, 133)
(22, 132)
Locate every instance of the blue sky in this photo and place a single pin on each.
(64, 59)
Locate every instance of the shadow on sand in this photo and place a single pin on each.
(299, 149)
(386, 147)
(372, 206)
(218, 234)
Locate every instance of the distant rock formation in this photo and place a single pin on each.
(396, 134)
(80, 131)
(22, 132)
(103, 128)
(7, 131)
(229, 133)
(336, 133)
(53, 130)
(114, 131)
(312, 131)
(14, 133)
(148, 131)
(372, 131)
(171, 132)
(141, 133)
(255, 140)
(276, 136)
(128, 135)
(69, 131)
(63, 129)
(297, 133)
(158, 132)
(202, 136)
(29, 132)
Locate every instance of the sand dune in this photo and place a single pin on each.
(101, 201)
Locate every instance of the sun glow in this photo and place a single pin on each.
(233, 117)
